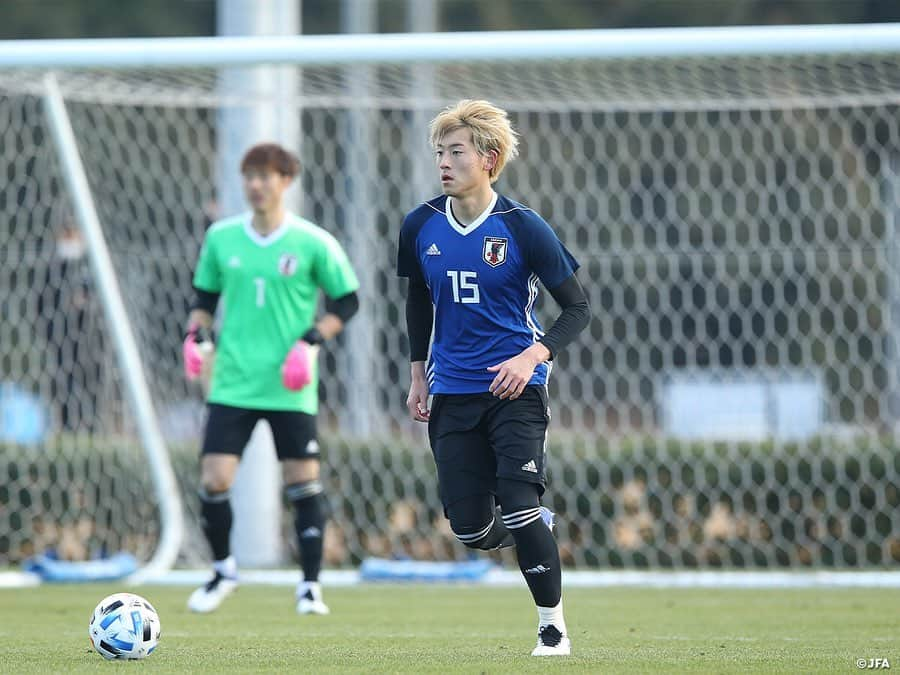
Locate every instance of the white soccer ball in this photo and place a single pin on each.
(124, 626)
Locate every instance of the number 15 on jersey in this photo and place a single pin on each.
(465, 286)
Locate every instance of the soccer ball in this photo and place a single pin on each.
(124, 626)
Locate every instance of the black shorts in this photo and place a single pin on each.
(477, 438)
(228, 429)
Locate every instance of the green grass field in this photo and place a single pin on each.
(429, 629)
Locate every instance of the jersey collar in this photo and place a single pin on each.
(475, 223)
(270, 238)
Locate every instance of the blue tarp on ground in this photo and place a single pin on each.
(380, 569)
(105, 569)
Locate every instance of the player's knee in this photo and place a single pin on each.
(299, 471)
(519, 501)
(215, 484)
(470, 523)
(300, 491)
(208, 496)
(217, 473)
(472, 536)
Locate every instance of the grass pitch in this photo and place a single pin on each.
(444, 629)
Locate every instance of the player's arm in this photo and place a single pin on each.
(197, 341)
(419, 315)
(208, 285)
(334, 274)
(296, 372)
(337, 313)
(514, 374)
(419, 319)
(203, 309)
(547, 257)
(576, 313)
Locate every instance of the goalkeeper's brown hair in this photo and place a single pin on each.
(490, 127)
(271, 156)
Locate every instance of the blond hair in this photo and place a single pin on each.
(490, 127)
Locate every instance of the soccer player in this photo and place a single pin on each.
(474, 259)
(267, 266)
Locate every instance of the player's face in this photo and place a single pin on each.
(461, 168)
(264, 189)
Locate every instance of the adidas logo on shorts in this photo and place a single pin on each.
(529, 466)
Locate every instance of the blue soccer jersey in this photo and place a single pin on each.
(483, 280)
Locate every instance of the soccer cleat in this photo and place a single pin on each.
(309, 599)
(548, 517)
(208, 598)
(552, 643)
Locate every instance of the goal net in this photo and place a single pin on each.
(733, 402)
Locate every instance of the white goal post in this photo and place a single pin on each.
(731, 193)
(171, 526)
(443, 48)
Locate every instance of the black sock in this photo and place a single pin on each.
(499, 536)
(309, 523)
(215, 510)
(539, 561)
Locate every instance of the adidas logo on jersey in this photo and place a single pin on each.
(234, 261)
(529, 466)
(433, 250)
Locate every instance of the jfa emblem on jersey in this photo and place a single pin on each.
(494, 250)
(287, 264)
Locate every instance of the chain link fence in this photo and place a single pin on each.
(733, 402)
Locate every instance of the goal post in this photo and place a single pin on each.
(119, 321)
(454, 47)
(731, 194)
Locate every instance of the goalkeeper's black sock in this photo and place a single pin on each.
(538, 558)
(215, 509)
(309, 523)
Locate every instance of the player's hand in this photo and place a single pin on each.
(417, 401)
(297, 370)
(513, 375)
(195, 347)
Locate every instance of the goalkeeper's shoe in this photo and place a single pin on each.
(208, 597)
(309, 599)
(548, 517)
(552, 643)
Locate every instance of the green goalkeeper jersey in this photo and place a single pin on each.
(269, 290)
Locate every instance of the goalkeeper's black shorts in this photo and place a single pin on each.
(477, 438)
(228, 429)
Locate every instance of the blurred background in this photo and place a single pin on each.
(733, 403)
(35, 19)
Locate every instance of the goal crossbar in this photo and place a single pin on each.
(452, 47)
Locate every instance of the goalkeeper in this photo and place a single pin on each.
(267, 266)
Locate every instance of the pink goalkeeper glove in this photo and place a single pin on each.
(192, 352)
(297, 370)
